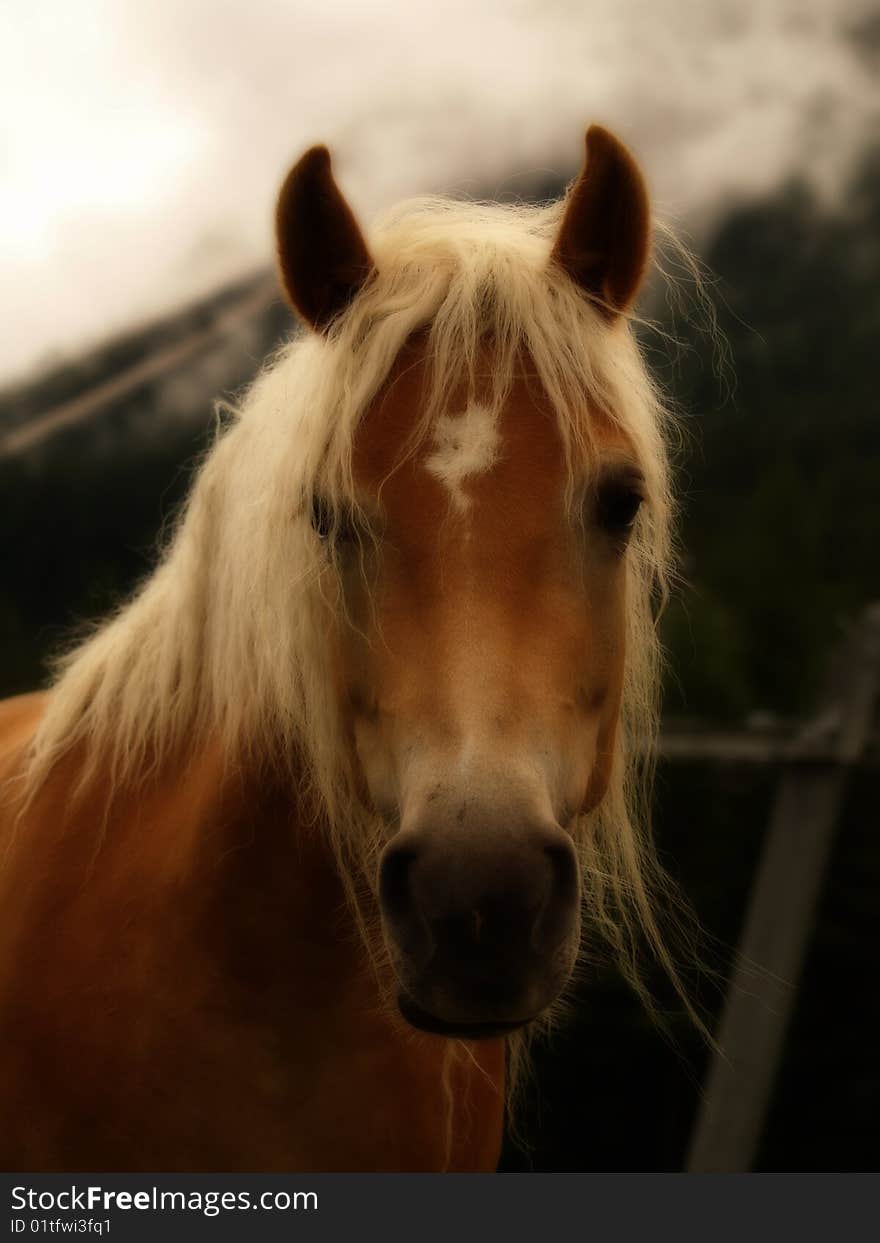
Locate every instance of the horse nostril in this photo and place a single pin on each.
(394, 879)
(554, 921)
(563, 861)
(400, 910)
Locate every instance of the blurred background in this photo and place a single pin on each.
(141, 152)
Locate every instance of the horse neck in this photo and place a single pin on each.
(206, 905)
(216, 862)
(275, 909)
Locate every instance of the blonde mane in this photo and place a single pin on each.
(227, 639)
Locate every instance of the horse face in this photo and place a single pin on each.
(480, 668)
(481, 662)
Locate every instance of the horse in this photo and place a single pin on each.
(302, 845)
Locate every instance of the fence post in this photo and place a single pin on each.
(782, 907)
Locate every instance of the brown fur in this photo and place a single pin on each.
(180, 989)
(532, 605)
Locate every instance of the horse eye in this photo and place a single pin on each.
(618, 503)
(328, 523)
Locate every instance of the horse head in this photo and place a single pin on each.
(479, 656)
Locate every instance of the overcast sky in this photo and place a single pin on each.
(143, 140)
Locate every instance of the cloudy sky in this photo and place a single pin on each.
(143, 140)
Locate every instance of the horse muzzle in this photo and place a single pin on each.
(482, 926)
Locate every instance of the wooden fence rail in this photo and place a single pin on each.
(816, 769)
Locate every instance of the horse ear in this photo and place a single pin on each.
(604, 240)
(322, 254)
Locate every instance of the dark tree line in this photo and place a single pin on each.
(781, 514)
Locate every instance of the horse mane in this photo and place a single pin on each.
(226, 640)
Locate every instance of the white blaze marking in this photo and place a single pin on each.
(464, 445)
